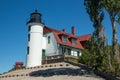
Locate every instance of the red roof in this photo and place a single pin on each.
(85, 37)
(57, 34)
(19, 63)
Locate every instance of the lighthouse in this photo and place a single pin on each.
(35, 36)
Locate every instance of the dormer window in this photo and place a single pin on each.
(64, 38)
(73, 41)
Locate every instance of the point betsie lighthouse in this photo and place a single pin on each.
(35, 35)
(44, 41)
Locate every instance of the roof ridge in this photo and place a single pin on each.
(85, 35)
(52, 29)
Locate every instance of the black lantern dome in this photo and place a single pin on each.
(35, 17)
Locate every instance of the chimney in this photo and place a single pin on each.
(64, 30)
(73, 30)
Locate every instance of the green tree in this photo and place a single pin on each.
(113, 9)
(97, 45)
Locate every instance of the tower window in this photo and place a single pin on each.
(29, 28)
(48, 39)
(28, 37)
(28, 50)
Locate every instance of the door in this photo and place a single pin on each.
(43, 54)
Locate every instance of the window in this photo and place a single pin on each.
(64, 38)
(78, 53)
(29, 28)
(28, 50)
(64, 49)
(28, 37)
(48, 39)
(69, 51)
(73, 41)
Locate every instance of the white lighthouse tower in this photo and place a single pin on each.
(35, 35)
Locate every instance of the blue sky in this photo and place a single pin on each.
(58, 14)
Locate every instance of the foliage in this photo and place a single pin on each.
(97, 44)
(113, 9)
(85, 58)
(98, 54)
(92, 58)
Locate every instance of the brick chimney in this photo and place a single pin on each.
(73, 30)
